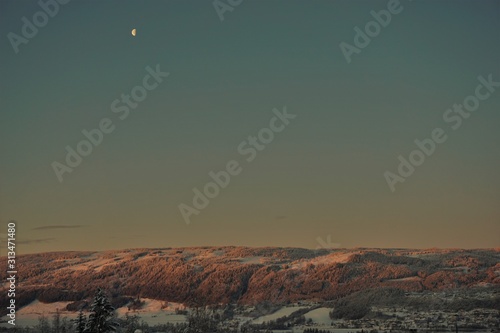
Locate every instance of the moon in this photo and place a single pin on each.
(134, 32)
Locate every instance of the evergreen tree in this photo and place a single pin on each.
(200, 320)
(131, 323)
(43, 325)
(101, 315)
(56, 322)
(65, 325)
(80, 322)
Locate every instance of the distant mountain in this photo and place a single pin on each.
(210, 275)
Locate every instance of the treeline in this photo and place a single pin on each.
(284, 322)
(359, 304)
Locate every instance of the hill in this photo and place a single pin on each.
(213, 275)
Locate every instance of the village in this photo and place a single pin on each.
(390, 319)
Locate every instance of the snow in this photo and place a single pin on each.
(38, 308)
(153, 313)
(319, 316)
(410, 278)
(252, 260)
(152, 305)
(284, 311)
(28, 315)
(337, 257)
(97, 262)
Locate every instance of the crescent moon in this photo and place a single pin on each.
(134, 32)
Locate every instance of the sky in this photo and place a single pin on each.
(321, 180)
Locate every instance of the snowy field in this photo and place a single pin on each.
(158, 312)
(151, 312)
(284, 311)
(320, 316)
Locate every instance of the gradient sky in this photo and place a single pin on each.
(321, 177)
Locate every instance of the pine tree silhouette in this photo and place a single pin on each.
(80, 322)
(101, 315)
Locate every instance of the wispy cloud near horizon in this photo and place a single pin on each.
(35, 241)
(62, 226)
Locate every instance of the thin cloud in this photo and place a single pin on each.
(35, 241)
(53, 227)
(127, 237)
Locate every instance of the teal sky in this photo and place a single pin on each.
(322, 176)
